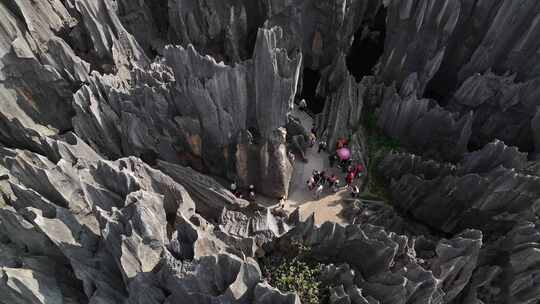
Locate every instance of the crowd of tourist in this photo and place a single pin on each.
(249, 193)
(353, 172)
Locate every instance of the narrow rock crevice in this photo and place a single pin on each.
(310, 80)
(81, 43)
(367, 46)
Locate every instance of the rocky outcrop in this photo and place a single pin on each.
(263, 91)
(491, 156)
(507, 47)
(423, 126)
(504, 109)
(490, 189)
(396, 164)
(452, 202)
(69, 204)
(447, 44)
(265, 294)
(105, 104)
(321, 29)
(343, 107)
(193, 87)
(384, 266)
(416, 40)
(48, 50)
(225, 30)
(210, 196)
(464, 38)
(118, 225)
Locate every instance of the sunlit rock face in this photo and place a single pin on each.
(121, 122)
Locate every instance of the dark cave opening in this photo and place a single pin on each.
(251, 40)
(438, 94)
(367, 46)
(310, 80)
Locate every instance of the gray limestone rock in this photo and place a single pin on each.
(321, 29)
(222, 29)
(490, 189)
(384, 267)
(504, 108)
(81, 224)
(416, 40)
(343, 107)
(210, 196)
(397, 164)
(422, 126)
(59, 206)
(456, 259)
(221, 278)
(491, 156)
(157, 114)
(136, 234)
(506, 45)
(266, 294)
(451, 203)
(42, 65)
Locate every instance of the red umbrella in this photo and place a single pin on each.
(343, 153)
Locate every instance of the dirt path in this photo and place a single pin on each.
(328, 207)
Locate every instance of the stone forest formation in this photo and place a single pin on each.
(123, 124)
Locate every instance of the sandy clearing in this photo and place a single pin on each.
(329, 206)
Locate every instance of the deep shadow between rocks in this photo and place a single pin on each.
(310, 80)
(367, 47)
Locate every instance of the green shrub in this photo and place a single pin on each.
(378, 146)
(369, 121)
(296, 271)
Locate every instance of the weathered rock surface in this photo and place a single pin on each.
(493, 201)
(421, 125)
(489, 189)
(504, 109)
(321, 29)
(47, 51)
(343, 107)
(115, 224)
(83, 220)
(417, 38)
(384, 266)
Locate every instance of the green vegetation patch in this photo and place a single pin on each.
(296, 271)
(378, 146)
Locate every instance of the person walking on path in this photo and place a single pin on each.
(291, 156)
(358, 170)
(322, 178)
(312, 139)
(332, 158)
(251, 193)
(332, 182)
(302, 105)
(349, 179)
(319, 191)
(311, 183)
(355, 192)
(335, 186)
(234, 190)
(322, 146)
(316, 176)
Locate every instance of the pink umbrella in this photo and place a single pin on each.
(343, 153)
